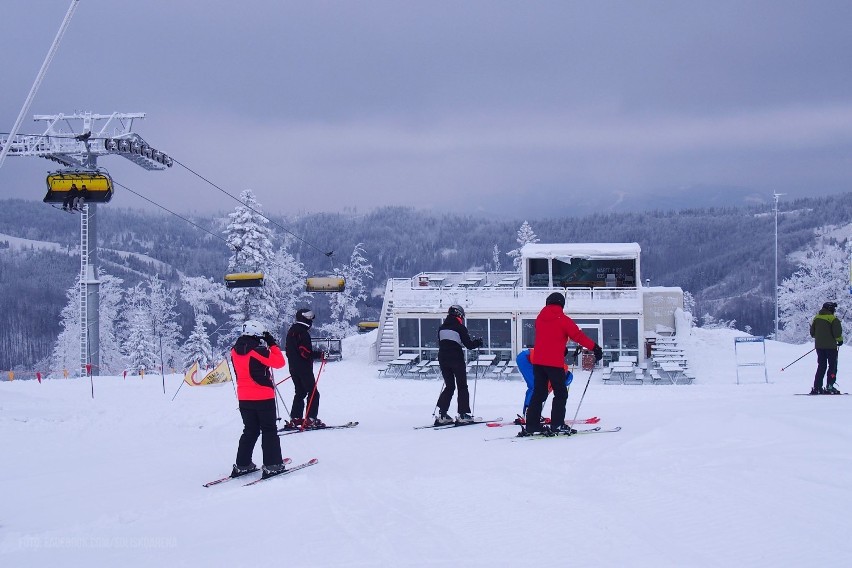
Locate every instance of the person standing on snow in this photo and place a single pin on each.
(827, 332)
(525, 367)
(300, 351)
(452, 336)
(553, 330)
(254, 353)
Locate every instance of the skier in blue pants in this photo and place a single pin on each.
(525, 367)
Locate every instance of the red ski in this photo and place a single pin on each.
(592, 420)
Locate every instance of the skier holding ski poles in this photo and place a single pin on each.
(827, 332)
(452, 336)
(301, 354)
(525, 367)
(553, 330)
(252, 355)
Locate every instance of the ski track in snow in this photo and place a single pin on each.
(710, 474)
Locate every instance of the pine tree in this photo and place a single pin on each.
(251, 242)
(495, 258)
(344, 305)
(525, 236)
(66, 349)
(111, 295)
(164, 322)
(823, 276)
(288, 275)
(201, 293)
(138, 345)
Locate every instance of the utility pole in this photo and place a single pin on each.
(776, 196)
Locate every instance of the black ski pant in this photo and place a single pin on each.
(826, 358)
(454, 373)
(542, 376)
(259, 418)
(304, 382)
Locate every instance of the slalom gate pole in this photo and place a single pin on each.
(799, 359)
(592, 372)
(314, 391)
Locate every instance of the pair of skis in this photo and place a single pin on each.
(540, 436)
(288, 431)
(569, 422)
(476, 420)
(259, 479)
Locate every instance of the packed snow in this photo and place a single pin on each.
(708, 474)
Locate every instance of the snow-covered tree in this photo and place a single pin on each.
(525, 236)
(495, 258)
(164, 324)
(111, 296)
(288, 276)
(66, 351)
(344, 305)
(201, 293)
(823, 276)
(138, 343)
(251, 242)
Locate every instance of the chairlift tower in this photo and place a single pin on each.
(76, 141)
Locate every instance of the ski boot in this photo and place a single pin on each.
(443, 419)
(464, 418)
(817, 390)
(314, 424)
(270, 470)
(564, 430)
(831, 389)
(240, 470)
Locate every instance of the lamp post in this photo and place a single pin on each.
(776, 196)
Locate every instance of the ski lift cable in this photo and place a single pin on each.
(197, 226)
(329, 254)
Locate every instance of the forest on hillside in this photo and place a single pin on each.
(725, 257)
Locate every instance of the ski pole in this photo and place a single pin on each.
(275, 385)
(283, 380)
(583, 395)
(314, 391)
(802, 357)
(475, 378)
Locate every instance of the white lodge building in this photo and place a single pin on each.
(603, 291)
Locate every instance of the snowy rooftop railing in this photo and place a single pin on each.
(501, 290)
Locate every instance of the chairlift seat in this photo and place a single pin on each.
(91, 186)
(244, 280)
(325, 284)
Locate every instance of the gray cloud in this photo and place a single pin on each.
(494, 106)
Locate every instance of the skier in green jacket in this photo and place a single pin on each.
(828, 336)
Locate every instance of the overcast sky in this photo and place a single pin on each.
(517, 107)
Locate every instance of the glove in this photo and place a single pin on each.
(598, 352)
(270, 341)
(839, 343)
(477, 343)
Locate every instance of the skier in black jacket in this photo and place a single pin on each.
(452, 335)
(300, 356)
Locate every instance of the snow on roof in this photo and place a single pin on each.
(593, 250)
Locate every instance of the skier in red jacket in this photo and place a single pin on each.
(553, 330)
(252, 355)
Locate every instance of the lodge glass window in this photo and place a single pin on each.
(409, 333)
(538, 273)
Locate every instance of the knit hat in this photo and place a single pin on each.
(556, 298)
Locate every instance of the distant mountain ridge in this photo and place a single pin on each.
(724, 256)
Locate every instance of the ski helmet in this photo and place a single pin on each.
(305, 315)
(253, 327)
(456, 310)
(555, 298)
(830, 306)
